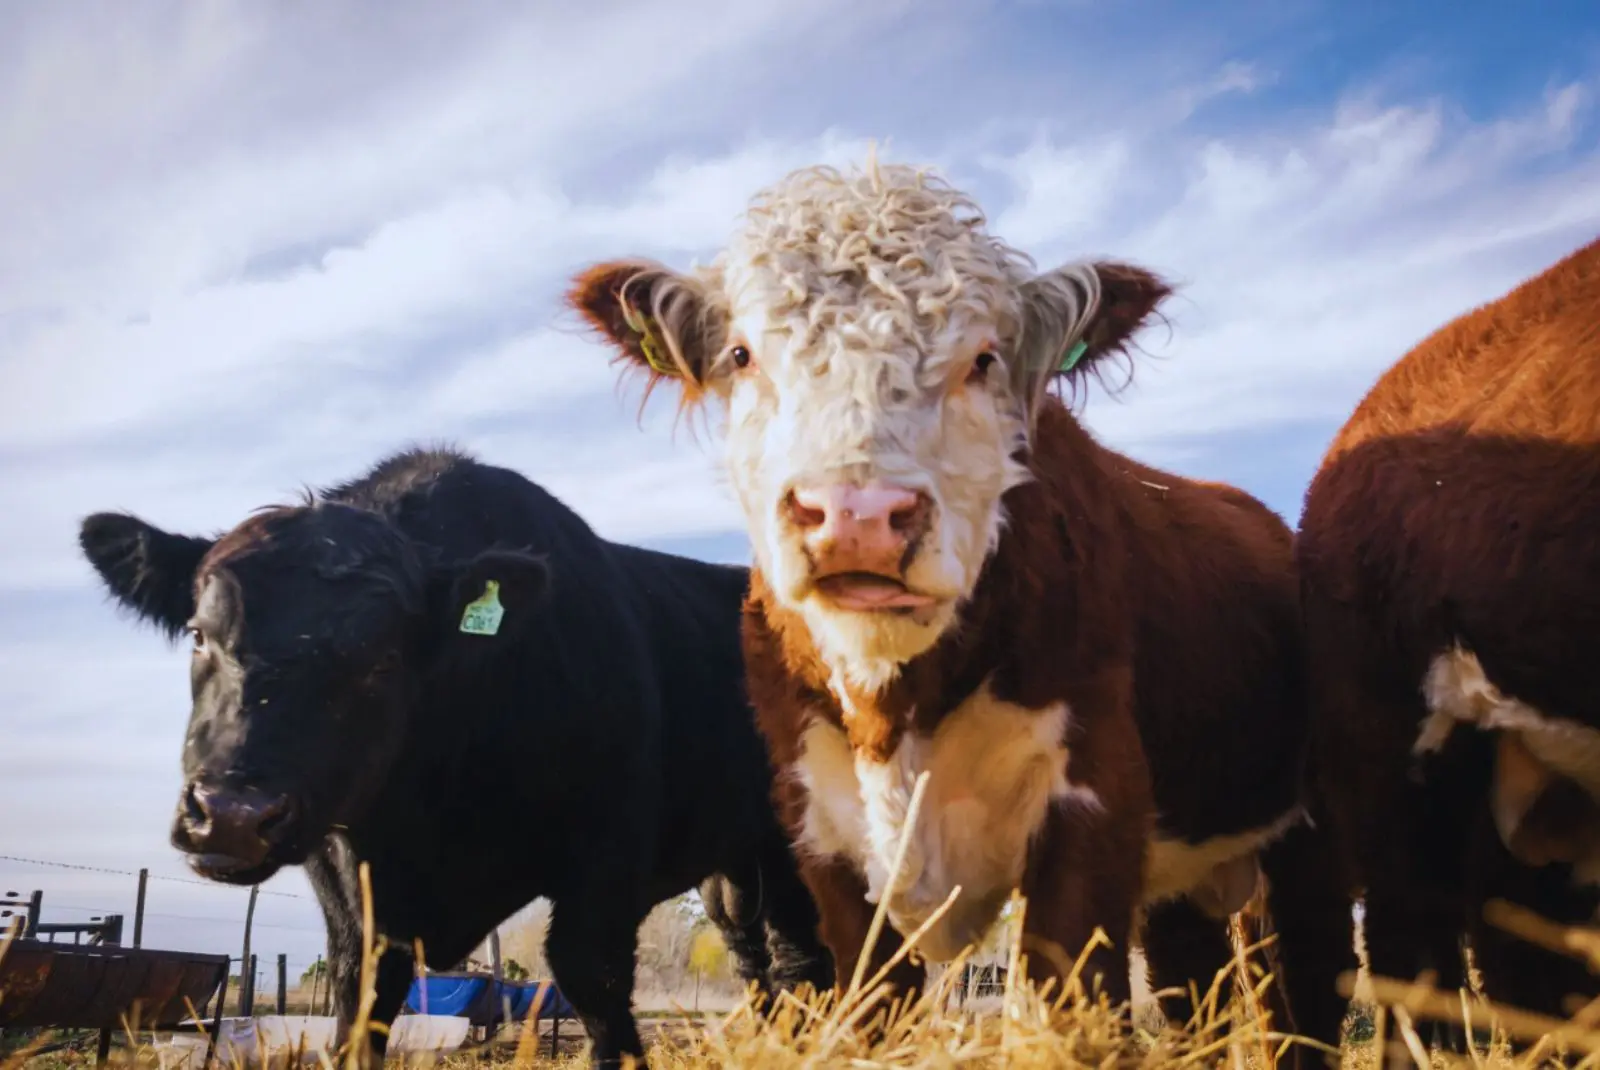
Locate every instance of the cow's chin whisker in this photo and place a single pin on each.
(869, 647)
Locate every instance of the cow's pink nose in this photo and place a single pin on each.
(865, 529)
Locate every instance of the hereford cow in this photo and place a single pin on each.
(1450, 559)
(440, 670)
(1099, 664)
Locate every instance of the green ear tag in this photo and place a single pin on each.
(1074, 355)
(482, 616)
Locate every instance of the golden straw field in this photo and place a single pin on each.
(1024, 1028)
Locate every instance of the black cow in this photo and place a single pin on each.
(441, 670)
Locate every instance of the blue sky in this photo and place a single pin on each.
(250, 247)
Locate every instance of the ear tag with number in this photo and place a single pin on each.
(482, 616)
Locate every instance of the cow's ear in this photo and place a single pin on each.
(148, 570)
(493, 596)
(666, 324)
(1077, 316)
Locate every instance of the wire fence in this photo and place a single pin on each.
(79, 906)
(128, 873)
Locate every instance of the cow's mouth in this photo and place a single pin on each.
(872, 592)
(225, 869)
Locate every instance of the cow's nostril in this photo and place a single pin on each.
(913, 515)
(276, 819)
(804, 514)
(194, 807)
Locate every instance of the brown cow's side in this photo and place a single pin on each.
(1450, 559)
(1099, 665)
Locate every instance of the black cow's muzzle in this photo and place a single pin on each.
(234, 834)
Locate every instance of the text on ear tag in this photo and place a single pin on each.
(483, 615)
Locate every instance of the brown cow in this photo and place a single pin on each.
(1450, 560)
(1099, 664)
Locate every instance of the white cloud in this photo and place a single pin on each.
(1234, 77)
(1308, 263)
(1060, 190)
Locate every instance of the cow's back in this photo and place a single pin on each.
(458, 507)
(1457, 504)
(1525, 365)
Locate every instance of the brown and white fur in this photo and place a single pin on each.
(1099, 664)
(1450, 558)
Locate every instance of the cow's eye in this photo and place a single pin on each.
(198, 638)
(981, 365)
(740, 356)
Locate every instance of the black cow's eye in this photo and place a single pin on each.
(199, 639)
(741, 356)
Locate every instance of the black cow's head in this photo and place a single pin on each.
(312, 628)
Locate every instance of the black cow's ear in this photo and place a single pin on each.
(495, 593)
(148, 570)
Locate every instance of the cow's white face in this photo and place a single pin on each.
(879, 358)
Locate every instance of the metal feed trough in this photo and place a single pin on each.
(97, 986)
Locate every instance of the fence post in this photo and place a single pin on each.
(35, 908)
(244, 956)
(216, 1018)
(138, 908)
(283, 983)
(494, 968)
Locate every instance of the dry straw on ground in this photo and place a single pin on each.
(1027, 1028)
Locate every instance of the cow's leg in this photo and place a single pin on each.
(1401, 819)
(733, 903)
(1085, 874)
(1408, 933)
(592, 948)
(1085, 869)
(841, 900)
(1186, 948)
(1516, 972)
(332, 871)
(1309, 906)
(798, 956)
(394, 975)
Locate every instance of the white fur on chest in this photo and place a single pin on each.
(994, 770)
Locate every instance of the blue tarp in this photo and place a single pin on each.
(453, 994)
(473, 995)
(523, 993)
